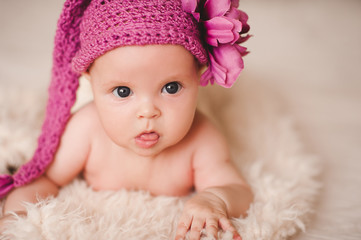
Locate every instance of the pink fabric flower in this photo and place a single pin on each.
(223, 26)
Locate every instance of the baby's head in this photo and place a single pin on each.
(164, 39)
(142, 57)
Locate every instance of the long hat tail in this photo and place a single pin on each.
(62, 95)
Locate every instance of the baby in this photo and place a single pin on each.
(142, 131)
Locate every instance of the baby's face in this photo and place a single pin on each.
(145, 96)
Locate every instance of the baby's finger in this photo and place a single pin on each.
(196, 228)
(226, 225)
(212, 228)
(183, 226)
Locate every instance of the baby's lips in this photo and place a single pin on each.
(147, 139)
(149, 136)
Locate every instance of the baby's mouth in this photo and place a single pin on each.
(147, 139)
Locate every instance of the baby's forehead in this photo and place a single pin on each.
(150, 66)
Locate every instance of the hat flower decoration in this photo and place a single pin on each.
(223, 26)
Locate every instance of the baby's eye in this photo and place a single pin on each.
(122, 92)
(171, 88)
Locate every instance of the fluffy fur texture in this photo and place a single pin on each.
(264, 144)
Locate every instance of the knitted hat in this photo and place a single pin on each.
(86, 30)
(110, 24)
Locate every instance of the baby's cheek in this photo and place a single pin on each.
(181, 126)
(115, 129)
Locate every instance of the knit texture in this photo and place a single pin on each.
(62, 92)
(62, 95)
(110, 24)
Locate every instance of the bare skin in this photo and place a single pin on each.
(143, 132)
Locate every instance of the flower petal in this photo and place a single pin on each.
(216, 8)
(230, 58)
(222, 30)
(235, 3)
(241, 16)
(234, 13)
(190, 6)
(206, 77)
(242, 39)
(219, 72)
(242, 50)
(236, 29)
(215, 72)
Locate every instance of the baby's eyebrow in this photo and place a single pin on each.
(113, 82)
(180, 76)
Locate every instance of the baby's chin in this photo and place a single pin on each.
(154, 151)
(149, 153)
(160, 146)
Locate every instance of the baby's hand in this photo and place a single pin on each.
(204, 210)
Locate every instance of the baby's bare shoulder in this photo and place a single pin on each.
(211, 163)
(74, 146)
(82, 121)
(208, 140)
(85, 115)
(205, 131)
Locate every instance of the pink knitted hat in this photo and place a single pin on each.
(110, 24)
(87, 29)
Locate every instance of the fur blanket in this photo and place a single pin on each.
(264, 144)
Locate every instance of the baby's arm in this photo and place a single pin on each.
(68, 163)
(222, 191)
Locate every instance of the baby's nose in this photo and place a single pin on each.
(148, 110)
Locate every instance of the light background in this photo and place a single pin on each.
(307, 51)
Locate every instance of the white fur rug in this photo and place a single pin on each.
(264, 144)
